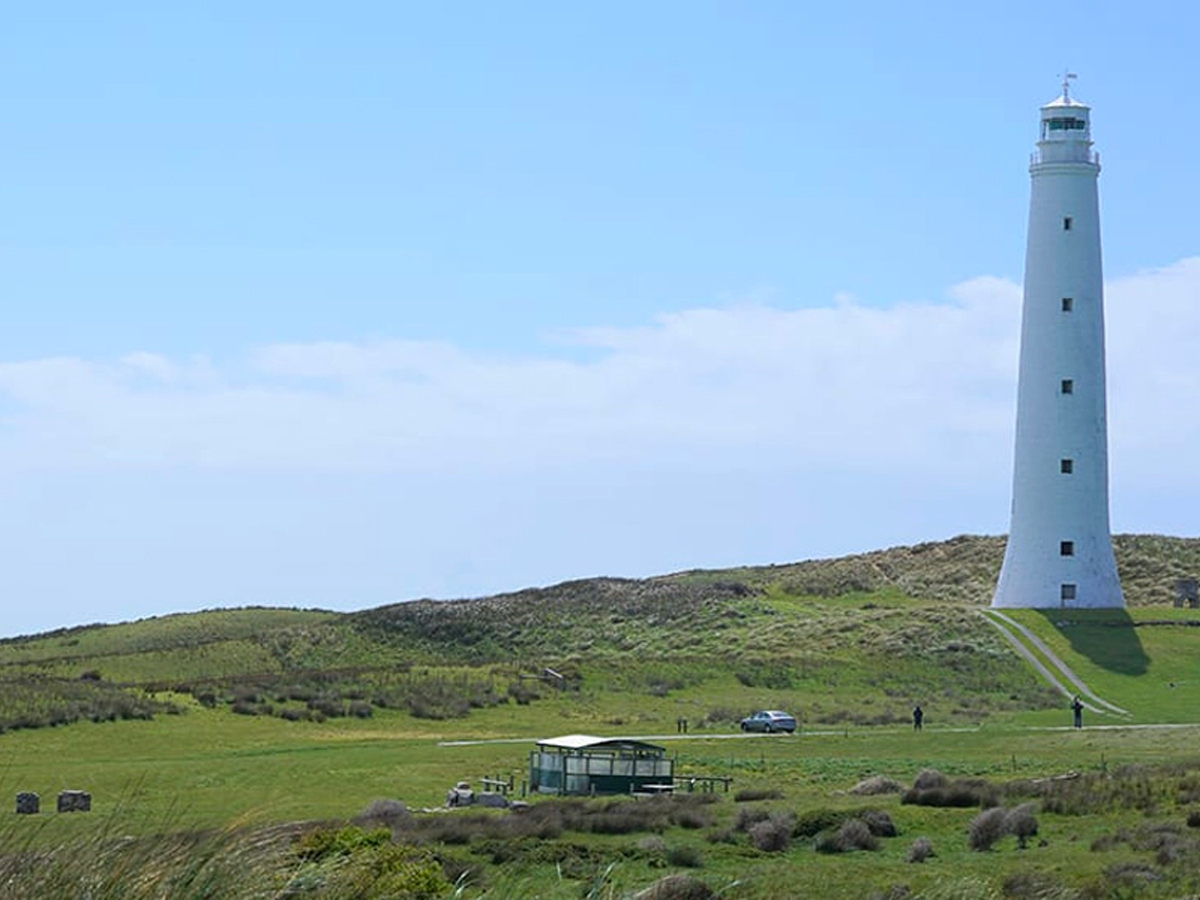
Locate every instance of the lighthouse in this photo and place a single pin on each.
(1059, 550)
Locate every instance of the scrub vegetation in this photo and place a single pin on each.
(293, 753)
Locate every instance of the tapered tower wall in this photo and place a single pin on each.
(1059, 546)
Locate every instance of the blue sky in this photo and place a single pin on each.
(341, 306)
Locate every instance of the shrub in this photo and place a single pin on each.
(523, 693)
(1021, 821)
(877, 784)
(677, 887)
(691, 817)
(1193, 819)
(772, 835)
(721, 715)
(652, 844)
(385, 812)
(987, 828)
(754, 794)
(748, 816)
(812, 822)
(854, 834)
(929, 778)
(920, 850)
(961, 793)
(880, 823)
(329, 707)
(685, 858)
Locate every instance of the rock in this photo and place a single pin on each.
(74, 801)
(28, 803)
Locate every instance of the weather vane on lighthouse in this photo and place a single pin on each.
(1066, 77)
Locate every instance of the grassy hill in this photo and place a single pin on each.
(856, 637)
(266, 716)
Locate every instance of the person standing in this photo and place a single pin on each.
(918, 717)
(1077, 707)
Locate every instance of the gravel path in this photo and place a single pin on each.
(1005, 624)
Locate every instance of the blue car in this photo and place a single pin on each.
(769, 721)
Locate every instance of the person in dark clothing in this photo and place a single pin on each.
(1077, 706)
(918, 717)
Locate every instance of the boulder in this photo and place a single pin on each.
(74, 801)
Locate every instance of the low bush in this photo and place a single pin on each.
(677, 887)
(1021, 821)
(1034, 886)
(748, 816)
(961, 794)
(387, 812)
(685, 858)
(880, 823)
(721, 716)
(928, 779)
(774, 834)
(812, 822)
(987, 828)
(875, 785)
(921, 850)
(691, 817)
(853, 834)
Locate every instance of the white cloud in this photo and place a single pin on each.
(911, 388)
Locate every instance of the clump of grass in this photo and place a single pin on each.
(1022, 822)
(774, 834)
(812, 822)
(677, 887)
(960, 793)
(875, 785)
(749, 816)
(987, 828)
(685, 857)
(928, 779)
(386, 812)
(853, 834)
(880, 823)
(921, 850)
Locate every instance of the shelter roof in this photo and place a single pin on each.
(591, 742)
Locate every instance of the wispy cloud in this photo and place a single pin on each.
(907, 388)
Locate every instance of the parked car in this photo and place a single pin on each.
(769, 720)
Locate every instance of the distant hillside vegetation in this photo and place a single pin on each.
(895, 621)
(602, 615)
(965, 569)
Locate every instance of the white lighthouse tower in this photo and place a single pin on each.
(1059, 547)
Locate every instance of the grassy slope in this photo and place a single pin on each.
(845, 643)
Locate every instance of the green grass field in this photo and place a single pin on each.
(190, 802)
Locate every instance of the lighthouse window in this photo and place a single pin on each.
(1068, 386)
(1066, 466)
(1066, 548)
(1067, 592)
(1067, 223)
(1067, 304)
(1070, 124)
